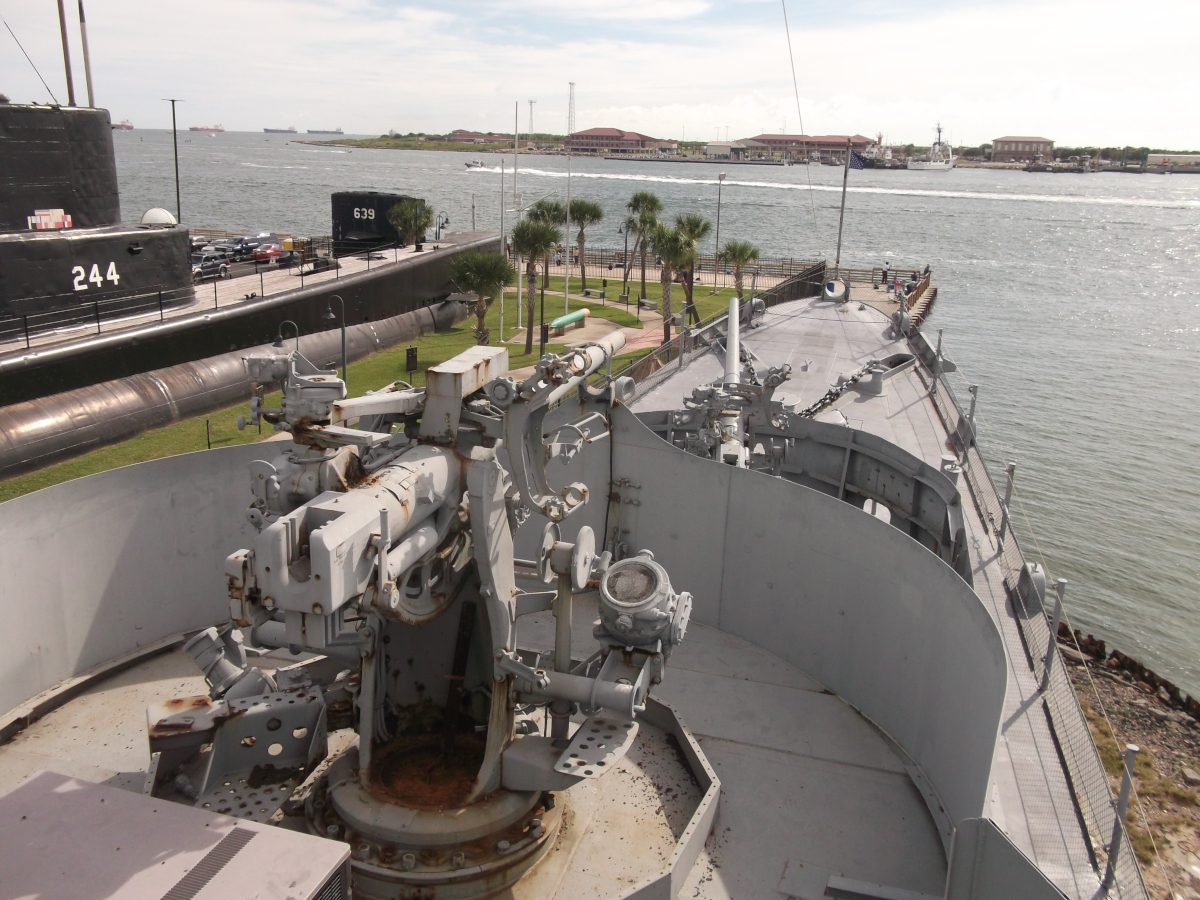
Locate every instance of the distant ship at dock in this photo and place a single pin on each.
(291, 129)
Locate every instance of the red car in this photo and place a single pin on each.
(266, 253)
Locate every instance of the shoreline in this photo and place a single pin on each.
(1125, 702)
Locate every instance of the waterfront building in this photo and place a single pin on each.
(746, 149)
(798, 146)
(1017, 148)
(616, 141)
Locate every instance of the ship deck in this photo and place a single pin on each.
(1030, 795)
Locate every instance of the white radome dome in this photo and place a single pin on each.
(158, 216)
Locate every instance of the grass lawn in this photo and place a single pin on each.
(187, 435)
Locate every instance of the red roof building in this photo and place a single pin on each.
(616, 141)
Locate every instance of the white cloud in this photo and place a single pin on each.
(1072, 70)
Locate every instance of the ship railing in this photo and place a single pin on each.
(1035, 612)
(22, 329)
(609, 264)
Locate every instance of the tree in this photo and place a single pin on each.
(692, 228)
(584, 213)
(738, 254)
(486, 273)
(643, 207)
(669, 246)
(411, 218)
(532, 240)
(552, 213)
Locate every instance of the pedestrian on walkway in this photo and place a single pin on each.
(883, 278)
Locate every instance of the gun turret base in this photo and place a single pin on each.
(456, 852)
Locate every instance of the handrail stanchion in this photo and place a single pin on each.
(1060, 588)
(1010, 471)
(1114, 846)
(96, 307)
(160, 307)
(25, 323)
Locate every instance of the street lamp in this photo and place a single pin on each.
(329, 316)
(440, 221)
(279, 344)
(717, 241)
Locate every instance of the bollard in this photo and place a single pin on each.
(1010, 470)
(1114, 846)
(1060, 588)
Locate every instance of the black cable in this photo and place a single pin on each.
(35, 68)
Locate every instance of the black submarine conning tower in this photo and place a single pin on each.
(62, 244)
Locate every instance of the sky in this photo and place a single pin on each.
(1080, 72)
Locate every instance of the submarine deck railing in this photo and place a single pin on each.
(1074, 743)
(314, 257)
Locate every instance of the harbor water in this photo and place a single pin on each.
(1073, 301)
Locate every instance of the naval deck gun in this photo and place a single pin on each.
(388, 550)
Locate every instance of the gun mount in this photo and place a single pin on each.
(388, 550)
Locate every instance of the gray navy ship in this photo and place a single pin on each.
(745, 618)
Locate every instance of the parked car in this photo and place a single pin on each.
(266, 253)
(208, 266)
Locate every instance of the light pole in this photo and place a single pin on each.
(717, 241)
(329, 316)
(625, 265)
(439, 222)
(175, 142)
(279, 344)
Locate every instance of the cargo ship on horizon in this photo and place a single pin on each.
(211, 129)
(325, 131)
(123, 125)
(291, 129)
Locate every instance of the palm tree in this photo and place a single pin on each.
(552, 213)
(692, 228)
(584, 213)
(411, 218)
(532, 240)
(487, 273)
(669, 246)
(738, 254)
(643, 207)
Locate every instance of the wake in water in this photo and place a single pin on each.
(898, 192)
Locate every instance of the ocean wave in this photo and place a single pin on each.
(896, 192)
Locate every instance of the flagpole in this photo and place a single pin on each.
(837, 263)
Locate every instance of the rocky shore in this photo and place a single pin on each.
(1126, 703)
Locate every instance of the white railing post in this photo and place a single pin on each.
(1060, 588)
(1010, 470)
(1114, 846)
(937, 364)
